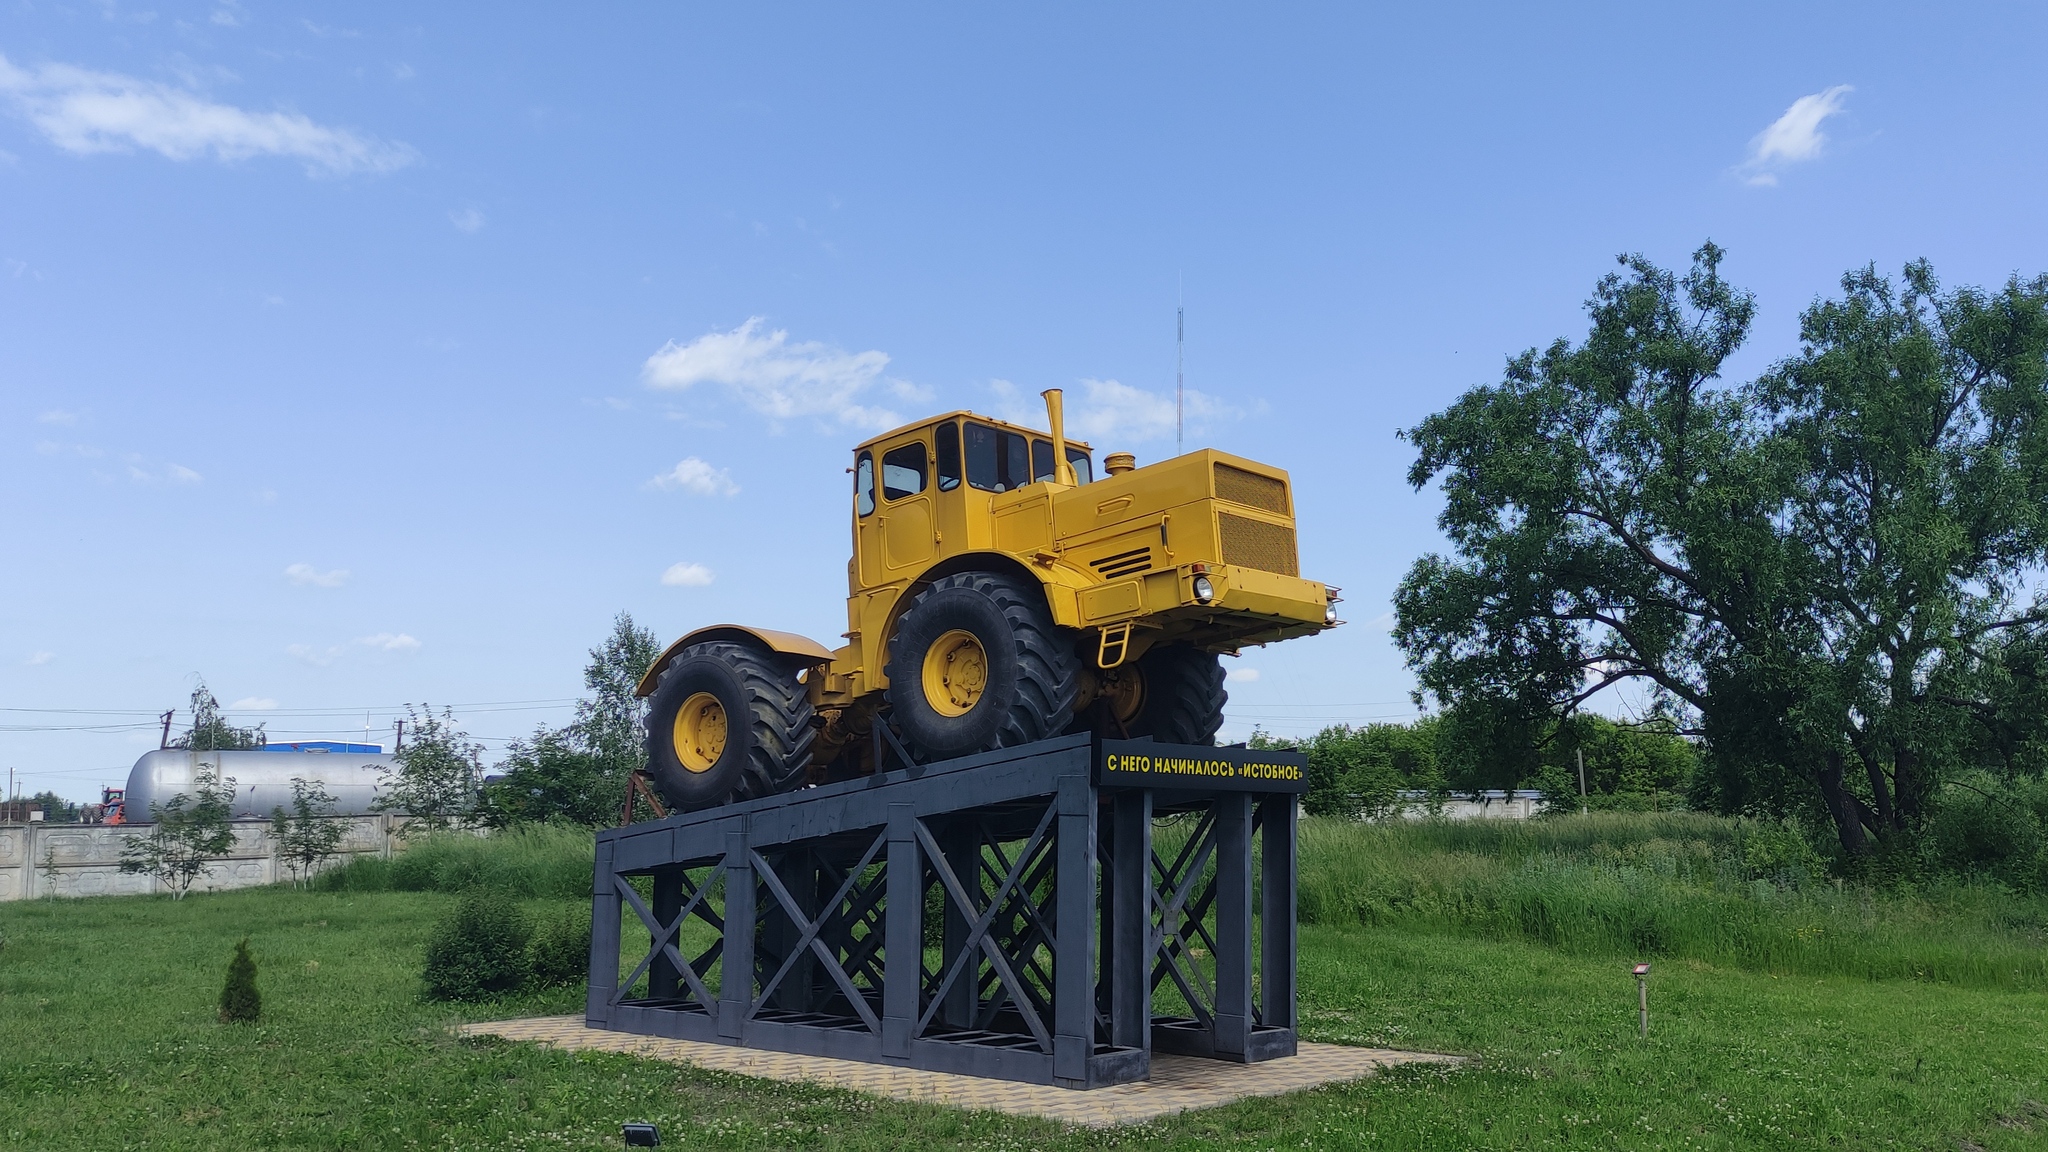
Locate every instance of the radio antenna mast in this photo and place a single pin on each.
(1180, 337)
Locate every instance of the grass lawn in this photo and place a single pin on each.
(108, 1040)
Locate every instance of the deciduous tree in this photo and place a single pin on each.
(1817, 571)
(437, 772)
(186, 831)
(308, 835)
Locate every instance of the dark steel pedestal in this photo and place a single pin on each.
(1012, 914)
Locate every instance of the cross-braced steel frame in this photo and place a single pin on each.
(1012, 914)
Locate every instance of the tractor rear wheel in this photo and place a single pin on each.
(1183, 696)
(726, 723)
(977, 663)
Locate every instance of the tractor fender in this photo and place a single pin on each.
(800, 649)
(1059, 581)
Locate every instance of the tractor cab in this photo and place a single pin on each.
(921, 492)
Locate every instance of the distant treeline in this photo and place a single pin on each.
(1363, 771)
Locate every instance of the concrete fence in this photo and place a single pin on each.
(85, 859)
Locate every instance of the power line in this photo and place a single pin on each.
(554, 702)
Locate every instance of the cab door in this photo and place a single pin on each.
(908, 528)
(867, 523)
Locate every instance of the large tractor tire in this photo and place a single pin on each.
(1183, 696)
(977, 663)
(727, 722)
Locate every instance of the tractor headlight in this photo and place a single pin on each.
(1330, 614)
(1204, 591)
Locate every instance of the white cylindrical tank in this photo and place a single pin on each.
(263, 780)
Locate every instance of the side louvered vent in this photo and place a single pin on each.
(1251, 489)
(1123, 563)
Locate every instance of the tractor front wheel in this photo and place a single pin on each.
(726, 723)
(1183, 696)
(977, 663)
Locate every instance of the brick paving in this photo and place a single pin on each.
(1178, 1084)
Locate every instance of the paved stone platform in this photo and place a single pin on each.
(1178, 1084)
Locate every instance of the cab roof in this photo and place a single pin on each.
(962, 413)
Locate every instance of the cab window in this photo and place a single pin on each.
(997, 461)
(903, 471)
(1041, 461)
(949, 457)
(1083, 470)
(864, 484)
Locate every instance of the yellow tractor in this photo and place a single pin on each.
(999, 593)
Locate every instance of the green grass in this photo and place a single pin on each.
(108, 1037)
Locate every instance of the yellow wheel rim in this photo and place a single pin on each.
(700, 732)
(1125, 692)
(955, 673)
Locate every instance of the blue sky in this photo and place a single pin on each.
(356, 355)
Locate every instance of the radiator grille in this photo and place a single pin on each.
(1251, 489)
(1257, 544)
(1123, 563)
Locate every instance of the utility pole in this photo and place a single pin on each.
(1180, 337)
(165, 741)
(1581, 754)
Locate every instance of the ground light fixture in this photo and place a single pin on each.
(641, 1135)
(1642, 975)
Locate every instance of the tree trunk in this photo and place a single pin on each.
(1842, 807)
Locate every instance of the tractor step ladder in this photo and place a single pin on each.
(1051, 913)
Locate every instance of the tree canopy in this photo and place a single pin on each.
(211, 731)
(577, 773)
(1822, 572)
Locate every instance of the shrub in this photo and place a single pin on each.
(478, 951)
(239, 1000)
(561, 949)
(1992, 828)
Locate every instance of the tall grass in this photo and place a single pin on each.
(529, 861)
(1737, 893)
(1743, 894)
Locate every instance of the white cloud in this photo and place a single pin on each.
(1247, 675)
(774, 377)
(382, 642)
(390, 642)
(687, 575)
(467, 220)
(84, 112)
(253, 704)
(174, 473)
(695, 476)
(1793, 138)
(307, 574)
(38, 658)
(312, 655)
(58, 416)
(1112, 415)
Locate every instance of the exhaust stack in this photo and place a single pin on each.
(1055, 413)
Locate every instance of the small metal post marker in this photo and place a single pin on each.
(1642, 972)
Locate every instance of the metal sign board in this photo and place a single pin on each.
(1145, 764)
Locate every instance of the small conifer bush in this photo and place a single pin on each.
(239, 1000)
(478, 951)
(561, 950)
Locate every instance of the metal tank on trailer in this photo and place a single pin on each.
(351, 773)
